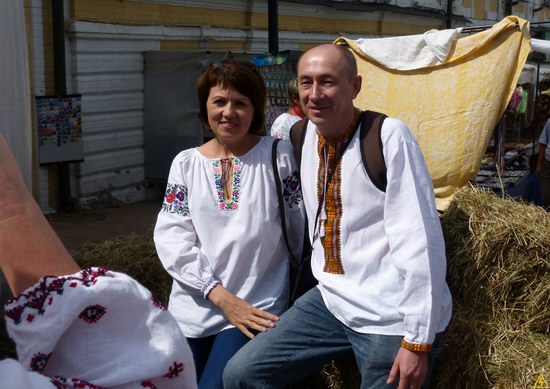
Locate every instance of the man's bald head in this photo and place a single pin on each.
(348, 60)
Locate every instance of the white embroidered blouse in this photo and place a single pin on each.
(94, 329)
(203, 239)
(390, 245)
(281, 126)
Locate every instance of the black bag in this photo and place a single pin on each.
(301, 277)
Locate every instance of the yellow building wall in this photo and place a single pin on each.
(141, 13)
(480, 11)
(493, 6)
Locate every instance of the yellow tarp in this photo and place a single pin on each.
(452, 108)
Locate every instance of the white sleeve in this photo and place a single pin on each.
(292, 197)
(14, 375)
(176, 241)
(278, 128)
(95, 328)
(414, 234)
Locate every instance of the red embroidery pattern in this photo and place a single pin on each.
(40, 297)
(157, 303)
(174, 370)
(39, 361)
(92, 314)
(148, 384)
(64, 383)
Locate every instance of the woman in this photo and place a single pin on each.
(219, 233)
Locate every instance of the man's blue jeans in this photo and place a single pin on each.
(306, 337)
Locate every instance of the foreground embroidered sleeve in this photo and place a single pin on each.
(175, 237)
(414, 233)
(292, 197)
(97, 329)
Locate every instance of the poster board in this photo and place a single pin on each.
(59, 129)
(277, 70)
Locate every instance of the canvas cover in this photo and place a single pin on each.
(450, 88)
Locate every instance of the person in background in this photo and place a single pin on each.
(218, 233)
(542, 168)
(281, 126)
(74, 328)
(379, 255)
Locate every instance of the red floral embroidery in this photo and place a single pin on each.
(170, 197)
(40, 297)
(174, 370)
(148, 384)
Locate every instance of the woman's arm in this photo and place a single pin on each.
(29, 248)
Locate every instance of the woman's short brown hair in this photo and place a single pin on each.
(242, 77)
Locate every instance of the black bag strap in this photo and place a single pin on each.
(371, 148)
(293, 261)
(297, 137)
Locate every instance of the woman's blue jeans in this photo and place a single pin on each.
(211, 354)
(306, 337)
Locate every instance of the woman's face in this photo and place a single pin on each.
(229, 113)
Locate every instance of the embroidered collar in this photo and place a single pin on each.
(342, 138)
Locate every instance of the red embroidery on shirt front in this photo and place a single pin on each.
(174, 370)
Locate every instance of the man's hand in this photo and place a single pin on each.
(411, 367)
(241, 314)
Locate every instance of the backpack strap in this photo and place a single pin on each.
(371, 148)
(293, 261)
(297, 137)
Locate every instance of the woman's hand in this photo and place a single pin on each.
(241, 314)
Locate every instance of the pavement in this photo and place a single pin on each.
(78, 227)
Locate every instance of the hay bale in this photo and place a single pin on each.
(132, 254)
(498, 253)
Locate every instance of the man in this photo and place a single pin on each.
(379, 256)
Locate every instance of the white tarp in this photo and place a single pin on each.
(15, 114)
(540, 46)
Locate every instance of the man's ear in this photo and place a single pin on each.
(357, 85)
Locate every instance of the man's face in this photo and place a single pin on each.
(327, 90)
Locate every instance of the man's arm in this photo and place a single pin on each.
(29, 248)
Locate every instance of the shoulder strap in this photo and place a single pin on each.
(371, 148)
(297, 136)
(293, 261)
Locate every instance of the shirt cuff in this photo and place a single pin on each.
(207, 288)
(424, 348)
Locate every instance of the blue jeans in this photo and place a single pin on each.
(211, 354)
(306, 337)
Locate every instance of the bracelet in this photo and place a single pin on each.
(423, 348)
